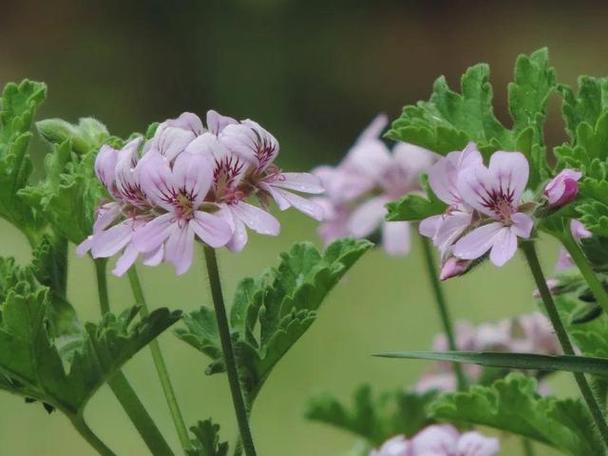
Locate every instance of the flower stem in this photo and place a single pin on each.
(229, 358)
(161, 366)
(584, 267)
(596, 412)
(123, 390)
(527, 446)
(442, 307)
(85, 431)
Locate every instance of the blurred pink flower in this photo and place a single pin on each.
(563, 188)
(579, 232)
(370, 176)
(495, 192)
(440, 440)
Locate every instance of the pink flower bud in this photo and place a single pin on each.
(454, 267)
(562, 189)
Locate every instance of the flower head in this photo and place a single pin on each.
(440, 440)
(495, 192)
(369, 176)
(563, 188)
(189, 183)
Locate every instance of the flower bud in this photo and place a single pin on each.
(562, 189)
(454, 267)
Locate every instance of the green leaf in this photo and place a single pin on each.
(449, 120)
(37, 362)
(580, 364)
(207, 441)
(70, 193)
(413, 207)
(512, 405)
(374, 418)
(18, 105)
(585, 107)
(271, 312)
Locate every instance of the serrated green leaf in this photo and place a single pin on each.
(37, 362)
(271, 312)
(207, 441)
(374, 418)
(70, 193)
(18, 105)
(513, 405)
(413, 207)
(587, 105)
(449, 120)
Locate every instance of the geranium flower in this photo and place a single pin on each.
(180, 190)
(370, 176)
(445, 228)
(563, 188)
(440, 440)
(257, 147)
(495, 192)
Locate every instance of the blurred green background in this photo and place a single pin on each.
(313, 73)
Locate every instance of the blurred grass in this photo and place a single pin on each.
(382, 304)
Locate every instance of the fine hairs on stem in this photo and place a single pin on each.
(594, 407)
(229, 358)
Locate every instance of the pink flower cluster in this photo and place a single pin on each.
(369, 176)
(440, 440)
(484, 211)
(192, 182)
(529, 333)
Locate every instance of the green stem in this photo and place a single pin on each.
(596, 412)
(229, 358)
(527, 447)
(85, 431)
(123, 390)
(161, 366)
(442, 307)
(584, 267)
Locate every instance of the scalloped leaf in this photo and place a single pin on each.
(271, 312)
(374, 418)
(512, 405)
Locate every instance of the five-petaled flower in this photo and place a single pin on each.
(495, 192)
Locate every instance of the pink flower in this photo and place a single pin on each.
(440, 440)
(116, 170)
(396, 446)
(495, 192)
(173, 136)
(370, 176)
(257, 147)
(445, 229)
(454, 267)
(563, 188)
(229, 171)
(579, 231)
(180, 190)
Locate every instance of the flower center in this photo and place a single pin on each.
(183, 206)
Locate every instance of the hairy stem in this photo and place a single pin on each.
(584, 267)
(442, 307)
(596, 412)
(123, 390)
(161, 366)
(85, 431)
(229, 358)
